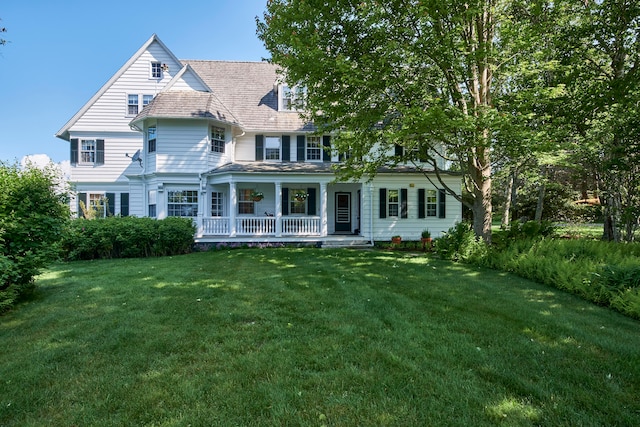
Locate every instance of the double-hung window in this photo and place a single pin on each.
(432, 202)
(314, 148)
(132, 105)
(88, 151)
(245, 204)
(217, 203)
(393, 202)
(151, 139)
(298, 201)
(217, 139)
(272, 148)
(146, 100)
(292, 99)
(183, 203)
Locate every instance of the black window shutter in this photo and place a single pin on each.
(74, 151)
(383, 203)
(311, 201)
(301, 142)
(124, 204)
(404, 211)
(285, 201)
(286, 148)
(259, 147)
(111, 203)
(99, 152)
(326, 145)
(398, 150)
(423, 154)
(421, 203)
(82, 197)
(442, 203)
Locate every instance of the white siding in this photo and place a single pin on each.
(246, 147)
(116, 163)
(411, 227)
(109, 112)
(183, 146)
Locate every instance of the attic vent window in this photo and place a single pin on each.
(156, 70)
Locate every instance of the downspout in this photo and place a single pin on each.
(371, 214)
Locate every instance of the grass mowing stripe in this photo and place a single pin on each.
(311, 337)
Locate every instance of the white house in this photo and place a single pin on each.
(221, 142)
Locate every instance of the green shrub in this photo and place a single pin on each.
(127, 237)
(460, 243)
(602, 272)
(32, 216)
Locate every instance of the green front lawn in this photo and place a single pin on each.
(311, 337)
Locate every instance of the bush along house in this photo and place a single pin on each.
(221, 142)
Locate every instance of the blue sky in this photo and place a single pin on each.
(60, 53)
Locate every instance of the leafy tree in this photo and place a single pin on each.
(601, 50)
(33, 213)
(426, 76)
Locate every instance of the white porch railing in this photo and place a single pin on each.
(217, 226)
(250, 226)
(301, 226)
(257, 225)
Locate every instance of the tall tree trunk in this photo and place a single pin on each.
(542, 187)
(509, 199)
(482, 207)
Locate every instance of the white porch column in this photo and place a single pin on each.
(324, 227)
(202, 205)
(233, 202)
(278, 209)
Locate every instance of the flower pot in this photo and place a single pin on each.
(426, 243)
(396, 240)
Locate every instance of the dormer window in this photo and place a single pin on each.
(291, 99)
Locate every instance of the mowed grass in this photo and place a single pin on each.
(311, 337)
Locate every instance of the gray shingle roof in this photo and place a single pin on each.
(270, 167)
(247, 90)
(185, 105)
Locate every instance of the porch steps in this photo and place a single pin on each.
(358, 243)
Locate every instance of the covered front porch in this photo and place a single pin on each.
(253, 207)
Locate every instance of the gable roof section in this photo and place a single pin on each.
(63, 133)
(247, 89)
(186, 105)
(185, 72)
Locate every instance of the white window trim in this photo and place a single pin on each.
(223, 140)
(141, 104)
(194, 205)
(159, 64)
(94, 151)
(320, 149)
(390, 203)
(297, 98)
(268, 138)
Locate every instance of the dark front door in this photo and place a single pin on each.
(343, 212)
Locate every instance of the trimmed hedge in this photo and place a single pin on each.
(127, 237)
